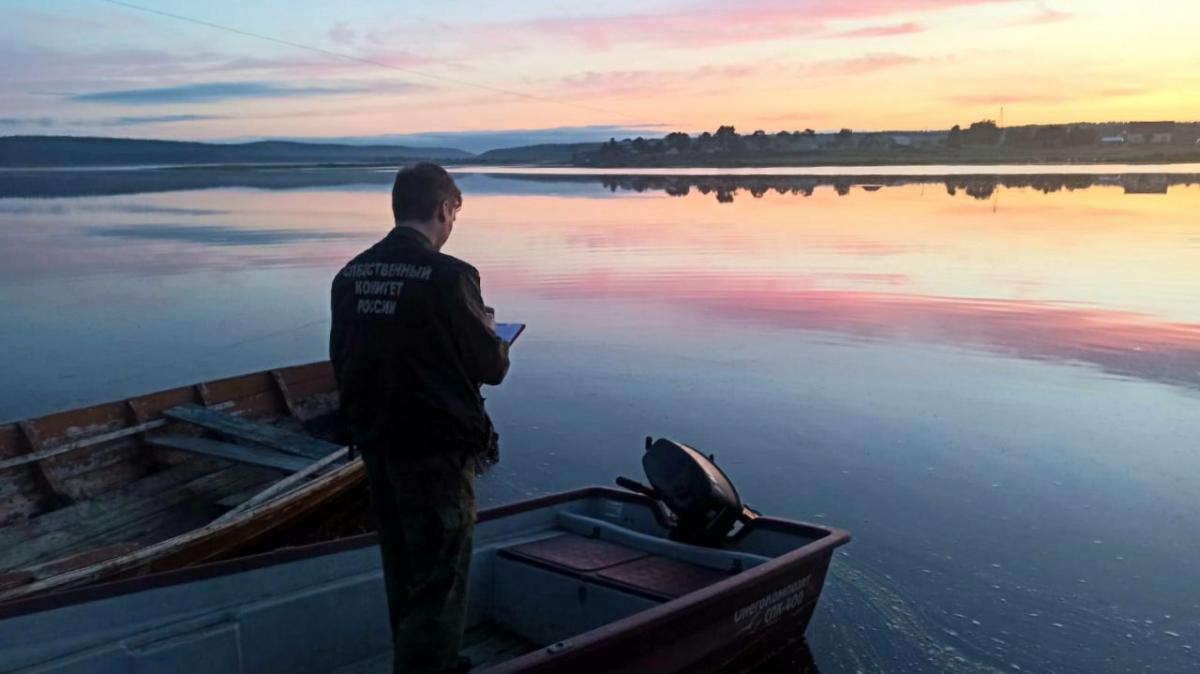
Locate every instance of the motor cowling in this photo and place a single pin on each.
(704, 502)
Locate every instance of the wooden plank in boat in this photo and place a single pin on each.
(660, 577)
(89, 523)
(244, 429)
(285, 484)
(573, 553)
(109, 468)
(87, 516)
(212, 541)
(627, 568)
(234, 500)
(82, 559)
(257, 456)
(189, 506)
(11, 579)
(54, 531)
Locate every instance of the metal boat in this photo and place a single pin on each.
(675, 576)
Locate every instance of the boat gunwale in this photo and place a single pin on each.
(199, 391)
(829, 538)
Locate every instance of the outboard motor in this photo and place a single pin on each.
(701, 502)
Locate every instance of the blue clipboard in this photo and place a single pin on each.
(509, 331)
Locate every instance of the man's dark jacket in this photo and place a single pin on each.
(410, 345)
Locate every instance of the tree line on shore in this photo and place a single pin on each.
(981, 135)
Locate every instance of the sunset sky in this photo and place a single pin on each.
(623, 66)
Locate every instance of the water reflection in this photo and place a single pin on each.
(726, 188)
(44, 183)
(213, 235)
(78, 183)
(1000, 402)
(861, 272)
(1120, 343)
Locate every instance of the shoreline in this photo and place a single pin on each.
(830, 170)
(1190, 157)
(930, 169)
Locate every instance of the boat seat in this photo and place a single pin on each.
(660, 577)
(251, 431)
(572, 554)
(617, 566)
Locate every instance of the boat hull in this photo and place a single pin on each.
(322, 608)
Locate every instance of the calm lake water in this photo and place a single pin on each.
(994, 383)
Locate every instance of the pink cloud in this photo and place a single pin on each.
(638, 81)
(709, 79)
(713, 23)
(882, 31)
(679, 30)
(617, 82)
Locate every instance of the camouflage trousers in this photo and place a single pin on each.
(425, 515)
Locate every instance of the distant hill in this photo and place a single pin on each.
(40, 151)
(556, 153)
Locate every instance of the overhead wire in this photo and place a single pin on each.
(368, 61)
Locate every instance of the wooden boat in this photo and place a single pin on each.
(166, 480)
(593, 580)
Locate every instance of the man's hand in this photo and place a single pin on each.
(485, 354)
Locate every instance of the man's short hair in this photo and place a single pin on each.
(420, 189)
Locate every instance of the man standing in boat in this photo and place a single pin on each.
(410, 344)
